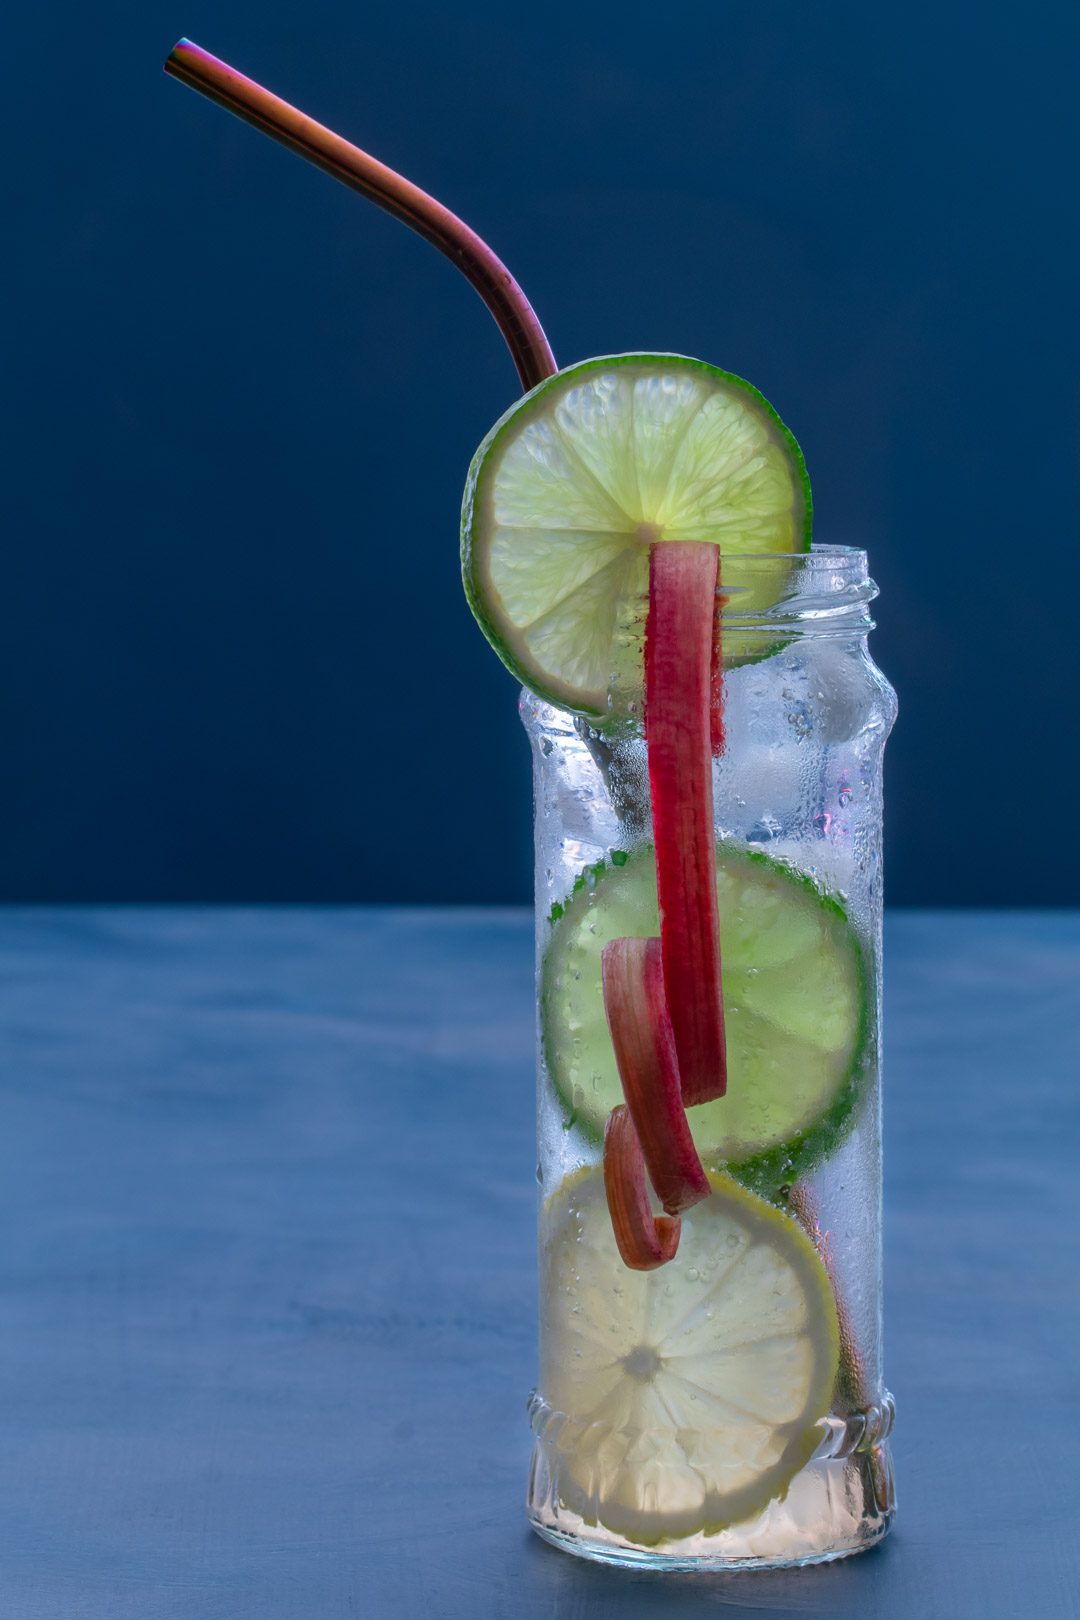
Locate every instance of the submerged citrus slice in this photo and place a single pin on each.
(795, 1008)
(572, 486)
(687, 1398)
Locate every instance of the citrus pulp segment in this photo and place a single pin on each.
(688, 1398)
(795, 1007)
(572, 486)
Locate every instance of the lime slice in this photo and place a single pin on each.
(687, 1398)
(795, 1007)
(576, 481)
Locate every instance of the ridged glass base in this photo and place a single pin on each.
(841, 1503)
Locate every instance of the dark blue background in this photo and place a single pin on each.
(240, 403)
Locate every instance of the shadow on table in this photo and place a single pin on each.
(852, 1586)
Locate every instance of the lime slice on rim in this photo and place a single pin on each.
(577, 480)
(795, 1004)
(687, 1398)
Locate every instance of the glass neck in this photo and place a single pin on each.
(825, 591)
(768, 601)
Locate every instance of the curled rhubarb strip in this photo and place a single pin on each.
(641, 1034)
(644, 1240)
(679, 673)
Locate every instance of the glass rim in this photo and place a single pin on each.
(854, 556)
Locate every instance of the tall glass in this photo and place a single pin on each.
(797, 793)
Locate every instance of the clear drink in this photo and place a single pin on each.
(647, 1436)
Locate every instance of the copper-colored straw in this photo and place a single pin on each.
(512, 311)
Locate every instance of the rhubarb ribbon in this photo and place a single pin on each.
(644, 1240)
(637, 1015)
(664, 997)
(680, 733)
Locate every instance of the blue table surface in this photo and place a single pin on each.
(267, 1277)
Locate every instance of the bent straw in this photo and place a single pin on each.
(852, 1384)
(513, 313)
(852, 1393)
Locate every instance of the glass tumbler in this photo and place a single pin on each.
(648, 1449)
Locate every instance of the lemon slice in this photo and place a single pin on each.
(687, 1398)
(572, 486)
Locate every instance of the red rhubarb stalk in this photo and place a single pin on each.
(644, 1240)
(641, 1034)
(679, 637)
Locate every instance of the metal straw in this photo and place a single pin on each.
(513, 313)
